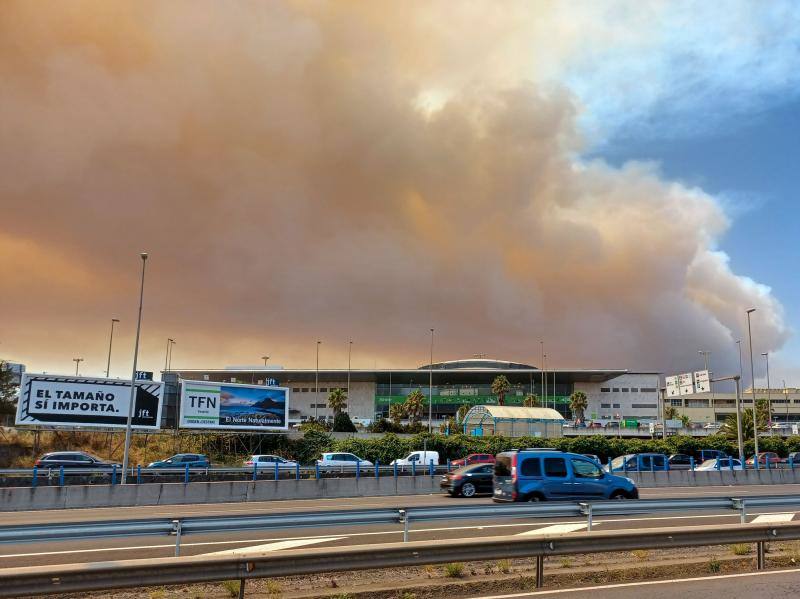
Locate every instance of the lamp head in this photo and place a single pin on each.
(751, 310)
(143, 255)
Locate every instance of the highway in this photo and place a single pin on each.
(763, 585)
(70, 551)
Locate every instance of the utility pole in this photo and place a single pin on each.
(77, 363)
(430, 389)
(316, 379)
(769, 394)
(110, 341)
(349, 354)
(753, 385)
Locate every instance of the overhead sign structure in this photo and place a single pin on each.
(673, 388)
(685, 383)
(210, 405)
(84, 402)
(702, 382)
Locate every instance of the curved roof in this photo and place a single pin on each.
(479, 363)
(515, 413)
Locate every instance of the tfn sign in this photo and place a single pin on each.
(202, 401)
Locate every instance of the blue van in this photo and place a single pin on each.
(539, 475)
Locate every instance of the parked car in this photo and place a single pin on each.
(549, 474)
(794, 458)
(469, 481)
(679, 461)
(712, 426)
(638, 462)
(595, 425)
(269, 461)
(420, 458)
(612, 424)
(765, 458)
(720, 464)
(73, 459)
(181, 460)
(342, 461)
(710, 454)
(473, 458)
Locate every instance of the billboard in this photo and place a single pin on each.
(232, 406)
(52, 400)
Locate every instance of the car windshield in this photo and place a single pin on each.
(618, 461)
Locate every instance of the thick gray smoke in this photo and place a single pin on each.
(333, 171)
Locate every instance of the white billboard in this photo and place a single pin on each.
(702, 382)
(230, 406)
(673, 388)
(78, 401)
(686, 383)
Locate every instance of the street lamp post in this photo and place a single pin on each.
(349, 355)
(77, 363)
(430, 389)
(110, 341)
(769, 394)
(753, 384)
(265, 358)
(541, 387)
(126, 453)
(166, 355)
(786, 401)
(171, 345)
(544, 371)
(316, 380)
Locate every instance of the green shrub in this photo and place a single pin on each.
(504, 566)
(714, 566)
(741, 548)
(454, 570)
(343, 424)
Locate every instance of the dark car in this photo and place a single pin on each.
(469, 480)
(473, 458)
(181, 460)
(679, 461)
(73, 459)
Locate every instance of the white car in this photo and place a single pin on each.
(342, 461)
(269, 461)
(713, 426)
(419, 458)
(724, 464)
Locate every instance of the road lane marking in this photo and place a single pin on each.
(277, 546)
(555, 529)
(770, 518)
(638, 584)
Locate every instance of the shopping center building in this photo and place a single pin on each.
(612, 394)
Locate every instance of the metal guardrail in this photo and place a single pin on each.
(384, 516)
(45, 580)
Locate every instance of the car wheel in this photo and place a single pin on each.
(467, 490)
(619, 495)
(535, 498)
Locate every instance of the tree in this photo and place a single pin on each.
(500, 387)
(8, 389)
(343, 424)
(578, 404)
(670, 413)
(729, 426)
(531, 401)
(337, 401)
(397, 412)
(461, 414)
(414, 405)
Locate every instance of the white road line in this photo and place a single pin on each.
(769, 518)
(275, 546)
(555, 529)
(637, 584)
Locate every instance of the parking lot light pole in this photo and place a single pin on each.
(753, 385)
(769, 393)
(430, 389)
(316, 379)
(77, 363)
(349, 354)
(739, 437)
(131, 404)
(110, 341)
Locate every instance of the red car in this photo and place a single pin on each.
(473, 458)
(763, 456)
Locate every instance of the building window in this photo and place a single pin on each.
(605, 406)
(634, 390)
(696, 403)
(323, 389)
(304, 389)
(233, 379)
(647, 390)
(295, 389)
(616, 405)
(616, 389)
(205, 377)
(624, 389)
(605, 390)
(676, 402)
(644, 406)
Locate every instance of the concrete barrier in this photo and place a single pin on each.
(91, 496)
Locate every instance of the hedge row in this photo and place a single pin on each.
(389, 447)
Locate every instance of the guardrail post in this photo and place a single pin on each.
(114, 474)
(395, 468)
(404, 522)
(730, 461)
(539, 571)
(255, 470)
(791, 461)
(61, 476)
(739, 504)
(586, 510)
(358, 469)
(430, 467)
(241, 587)
(276, 471)
(138, 474)
(448, 464)
(186, 474)
(316, 469)
(34, 481)
(377, 469)
(297, 470)
(691, 463)
(413, 468)
(760, 557)
(176, 528)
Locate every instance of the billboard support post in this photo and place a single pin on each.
(126, 452)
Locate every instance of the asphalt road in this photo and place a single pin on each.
(752, 585)
(70, 551)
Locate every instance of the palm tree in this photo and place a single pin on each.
(500, 387)
(337, 401)
(729, 426)
(578, 404)
(531, 401)
(414, 405)
(397, 412)
(462, 413)
(670, 413)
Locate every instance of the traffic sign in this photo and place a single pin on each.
(673, 389)
(686, 383)
(702, 382)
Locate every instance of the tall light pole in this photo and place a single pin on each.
(77, 363)
(316, 379)
(172, 343)
(349, 354)
(126, 453)
(544, 390)
(739, 345)
(786, 400)
(265, 358)
(430, 389)
(166, 355)
(769, 394)
(541, 387)
(753, 385)
(110, 340)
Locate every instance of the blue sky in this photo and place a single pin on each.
(750, 162)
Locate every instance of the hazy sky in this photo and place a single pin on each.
(612, 178)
